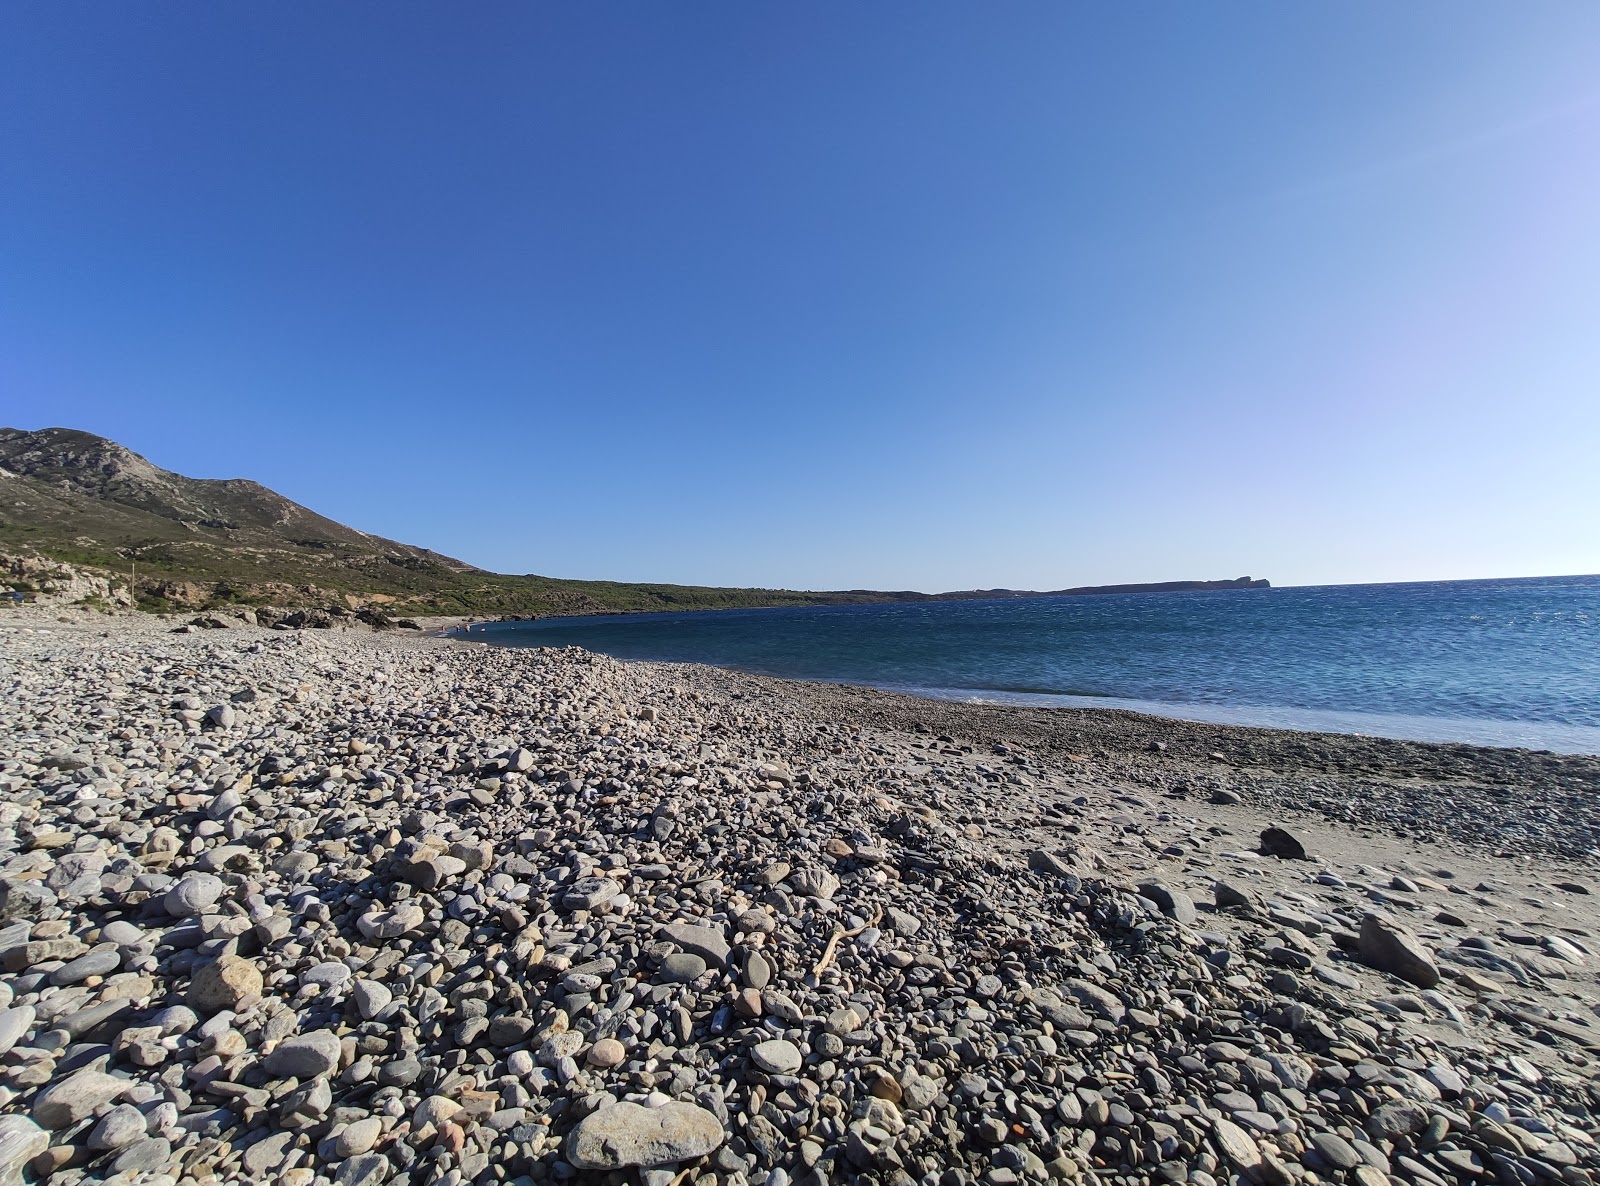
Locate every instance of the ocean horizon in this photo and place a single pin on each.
(1513, 662)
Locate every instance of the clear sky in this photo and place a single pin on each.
(912, 295)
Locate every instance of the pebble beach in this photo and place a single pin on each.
(360, 907)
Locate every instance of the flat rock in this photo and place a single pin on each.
(709, 943)
(152, 1155)
(1237, 1146)
(1335, 1150)
(121, 1126)
(1042, 860)
(369, 1169)
(590, 892)
(682, 967)
(1175, 904)
(624, 1135)
(1097, 1000)
(14, 1022)
(21, 1140)
(776, 1056)
(77, 1097)
(371, 997)
(304, 1056)
(1389, 947)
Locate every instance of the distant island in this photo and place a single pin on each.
(165, 542)
(1086, 590)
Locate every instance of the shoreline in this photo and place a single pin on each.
(1527, 710)
(1029, 702)
(1262, 761)
(427, 910)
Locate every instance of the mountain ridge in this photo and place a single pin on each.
(182, 542)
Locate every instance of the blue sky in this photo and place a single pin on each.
(926, 295)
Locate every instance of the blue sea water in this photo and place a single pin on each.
(1506, 662)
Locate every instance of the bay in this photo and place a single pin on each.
(1498, 662)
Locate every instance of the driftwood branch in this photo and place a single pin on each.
(832, 948)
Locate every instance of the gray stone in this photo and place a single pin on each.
(591, 892)
(510, 1030)
(1232, 897)
(152, 1155)
(901, 922)
(267, 1154)
(193, 895)
(371, 998)
(98, 1021)
(358, 1138)
(1400, 1119)
(1446, 1079)
(814, 883)
(1236, 1146)
(432, 871)
(369, 1169)
(1283, 844)
(1389, 947)
(77, 1097)
(326, 976)
(121, 1126)
(304, 1056)
(24, 899)
(624, 1134)
(400, 1072)
(14, 1023)
(76, 875)
(21, 1140)
(758, 970)
(776, 1056)
(1335, 1150)
(1042, 860)
(101, 961)
(709, 943)
(1175, 904)
(682, 967)
(122, 933)
(1097, 1000)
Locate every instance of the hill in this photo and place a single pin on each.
(182, 542)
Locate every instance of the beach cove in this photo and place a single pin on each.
(375, 907)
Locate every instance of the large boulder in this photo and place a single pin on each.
(1389, 947)
(1283, 844)
(624, 1135)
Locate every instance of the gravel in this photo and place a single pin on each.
(412, 910)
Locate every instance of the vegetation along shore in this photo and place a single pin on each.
(77, 507)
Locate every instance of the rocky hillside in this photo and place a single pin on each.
(121, 494)
(171, 541)
(186, 542)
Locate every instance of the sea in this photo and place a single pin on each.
(1492, 662)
